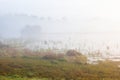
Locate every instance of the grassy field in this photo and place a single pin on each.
(20, 64)
(19, 78)
(41, 69)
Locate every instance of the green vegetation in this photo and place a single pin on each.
(22, 64)
(19, 78)
(39, 69)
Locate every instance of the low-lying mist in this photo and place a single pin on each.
(57, 34)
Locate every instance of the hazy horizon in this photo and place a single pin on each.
(59, 16)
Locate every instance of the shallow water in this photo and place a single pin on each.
(103, 42)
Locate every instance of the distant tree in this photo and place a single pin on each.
(31, 31)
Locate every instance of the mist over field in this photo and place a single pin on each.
(62, 31)
(59, 40)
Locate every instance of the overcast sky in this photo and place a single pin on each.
(86, 8)
(50, 7)
(90, 15)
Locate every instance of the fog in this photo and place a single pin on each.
(63, 16)
(91, 21)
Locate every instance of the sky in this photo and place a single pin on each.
(49, 7)
(83, 15)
